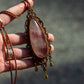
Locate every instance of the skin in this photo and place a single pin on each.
(17, 39)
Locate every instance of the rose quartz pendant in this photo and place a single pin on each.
(38, 39)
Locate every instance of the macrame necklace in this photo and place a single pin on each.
(37, 40)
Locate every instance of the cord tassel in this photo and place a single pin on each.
(46, 76)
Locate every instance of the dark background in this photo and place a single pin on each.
(65, 19)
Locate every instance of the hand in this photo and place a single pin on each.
(17, 39)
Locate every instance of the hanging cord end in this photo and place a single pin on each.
(46, 76)
(51, 63)
(35, 68)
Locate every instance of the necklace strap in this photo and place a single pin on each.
(9, 14)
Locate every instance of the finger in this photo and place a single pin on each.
(17, 10)
(21, 53)
(21, 64)
(19, 38)
(52, 48)
(51, 37)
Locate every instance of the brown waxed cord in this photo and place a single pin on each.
(9, 14)
(5, 39)
(25, 8)
(8, 56)
(27, 4)
(9, 44)
(12, 55)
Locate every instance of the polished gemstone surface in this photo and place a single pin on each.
(37, 39)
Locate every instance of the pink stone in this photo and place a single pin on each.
(38, 39)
